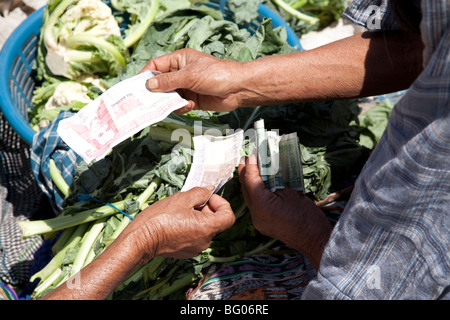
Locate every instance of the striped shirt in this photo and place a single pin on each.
(393, 239)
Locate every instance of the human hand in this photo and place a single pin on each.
(173, 227)
(287, 215)
(206, 82)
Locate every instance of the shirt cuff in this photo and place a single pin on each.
(374, 15)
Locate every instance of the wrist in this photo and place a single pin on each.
(139, 240)
(269, 81)
(314, 250)
(310, 234)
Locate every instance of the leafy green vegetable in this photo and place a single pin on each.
(308, 15)
(244, 11)
(295, 13)
(142, 14)
(203, 28)
(373, 123)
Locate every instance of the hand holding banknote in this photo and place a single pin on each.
(285, 214)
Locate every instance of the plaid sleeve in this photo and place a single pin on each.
(371, 14)
(47, 145)
(16, 254)
(393, 239)
(20, 200)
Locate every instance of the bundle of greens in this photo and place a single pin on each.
(147, 168)
(203, 28)
(137, 173)
(99, 61)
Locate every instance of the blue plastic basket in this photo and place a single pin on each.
(19, 53)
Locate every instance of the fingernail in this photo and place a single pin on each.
(210, 188)
(152, 84)
(252, 159)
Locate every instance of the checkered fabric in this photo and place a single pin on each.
(393, 239)
(47, 144)
(20, 199)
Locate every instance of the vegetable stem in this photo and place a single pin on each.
(133, 37)
(142, 199)
(63, 239)
(179, 283)
(31, 228)
(213, 259)
(88, 241)
(58, 180)
(49, 39)
(86, 39)
(55, 263)
(295, 13)
(40, 289)
(163, 134)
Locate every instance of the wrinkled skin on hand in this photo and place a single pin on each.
(175, 227)
(171, 227)
(202, 79)
(287, 215)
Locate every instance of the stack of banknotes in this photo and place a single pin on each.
(279, 158)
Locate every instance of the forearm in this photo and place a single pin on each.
(99, 278)
(362, 65)
(170, 227)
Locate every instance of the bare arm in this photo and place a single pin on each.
(362, 65)
(366, 64)
(171, 227)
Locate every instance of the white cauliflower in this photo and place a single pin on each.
(91, 16)
(82, 37)
(66, 93)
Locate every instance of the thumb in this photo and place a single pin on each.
(165, 82)
(250, 177)
(220, 211)
(199, 195)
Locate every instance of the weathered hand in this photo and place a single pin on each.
(173, 227)
(207, 82)
(286, 215)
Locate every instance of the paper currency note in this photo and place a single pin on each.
(121, 111)
(291, 161)
(275, 178)
(279, 158)
(276, 172)
(214, 161)
(262, 149)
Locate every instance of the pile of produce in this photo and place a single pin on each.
(85, 44)
(73, 69)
